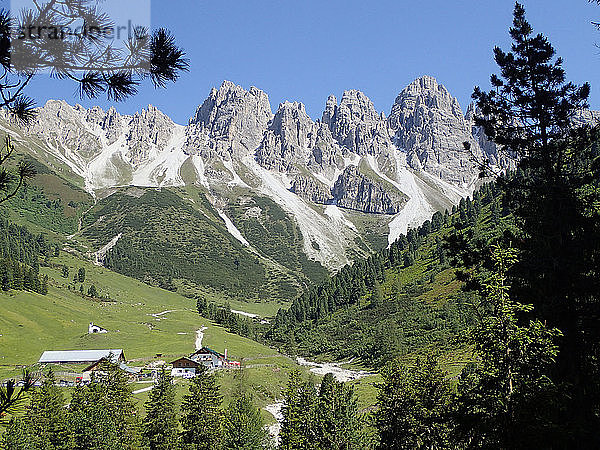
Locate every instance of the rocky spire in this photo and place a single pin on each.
(356, 125)
(231, 121)
(286, 142)
(429, 125)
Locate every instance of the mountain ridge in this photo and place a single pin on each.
(353, 160)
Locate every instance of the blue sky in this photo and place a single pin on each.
(309, 49)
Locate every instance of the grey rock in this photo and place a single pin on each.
(285, 144)
(356, 125)
(148, 129)
(230, 122)
(311, 189)
(326, 155)
(294, 142)
(61, 125)
(429, 125)
(491, 152)
(355, 190)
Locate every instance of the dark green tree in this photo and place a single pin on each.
(201, 413)
(337, 422)
(14, 398)
(18, 435)
(47, 416)
(81, 275)
(160, 426)
(103, 414)
(505, 397)
(92, 291)
(12, 181)
(65, 271)
(533, 111)
(297, 429)
(244, 427)
(413, 404)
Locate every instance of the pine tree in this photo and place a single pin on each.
(337, 422)
(202, 416)
(92, 291)
(244, 428)
(412, 406)
(160, 426)
(530, 111)
(103, 413)
(17, 436)
(65, 271)
(44, 285)
(298, 414)
(81, 275)
(47, 417)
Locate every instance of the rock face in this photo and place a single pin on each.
(87, 132)
(490, 151)
(148, 129)
(587, 117)
(230, 122)
(326, 156)
(429, 125)
(356, 125)
(285, 144)
(311, 189)
(62, 126)
(293, 141)
(354, 190)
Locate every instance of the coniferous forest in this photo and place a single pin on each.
(509, 276)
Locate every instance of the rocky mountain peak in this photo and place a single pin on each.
(231, 120)
(63, 126)
(148, 129)
(287, 141)
(429, 125)
(356, 125)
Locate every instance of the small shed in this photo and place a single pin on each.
(92, 329)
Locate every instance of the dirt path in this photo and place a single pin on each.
(200, 337)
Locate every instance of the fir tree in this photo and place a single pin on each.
(554, 196)
(103, 413)
(17, 435)
(504, 399)
(297, 429)
(160, 426)
(413, 404)
(202, 416)
(337, 422)
(92, 291)
(244, 428)
(47, 416)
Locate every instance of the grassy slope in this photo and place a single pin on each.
(31, 323)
